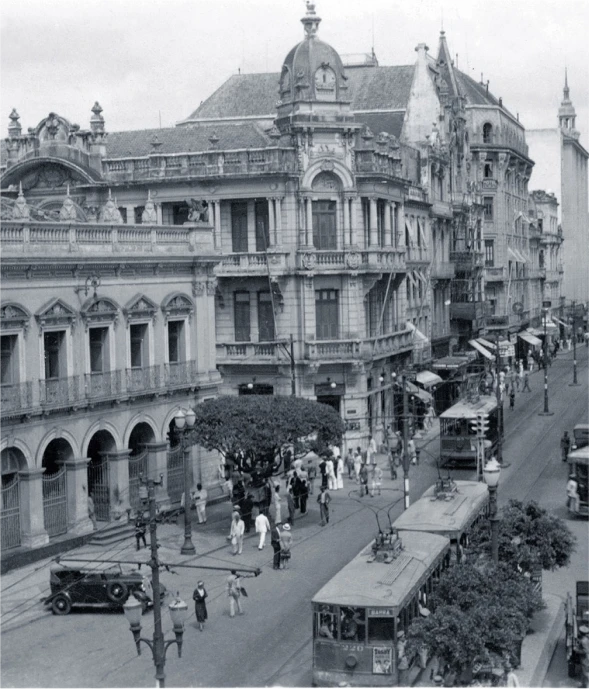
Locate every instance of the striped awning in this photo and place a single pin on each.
(479, 347)
(529, 338)
(486, 343)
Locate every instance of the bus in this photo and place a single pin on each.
(458, 446)
(448, 508)
(359, 614)
(578, 462)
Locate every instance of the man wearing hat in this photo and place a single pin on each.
(285, 546)
(584, 641)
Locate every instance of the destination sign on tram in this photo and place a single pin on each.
(380, 612)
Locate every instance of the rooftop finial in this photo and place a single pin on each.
(311, 21)
(566, 85)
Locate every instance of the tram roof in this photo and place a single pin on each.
(579, 455)
(448, 517)
(363, 583)
(467, 410)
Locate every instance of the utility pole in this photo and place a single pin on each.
(546, 411)
(293, 385)
(574, 345)
(406, 458)
(499, 403)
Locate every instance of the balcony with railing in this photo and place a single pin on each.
(467, 259)
(49, 238)
(255, 263)
(200, 165)
(271, 352)
(417, 254)
(16, 398)
(469, 311)
(494, 273)
(60, 392)
(103, 385)
(336, 261)
(386, 345)
(333, 350)
(503, 139)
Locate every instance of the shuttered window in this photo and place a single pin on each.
(239, 226)
(265, 317)
(241, 316)
(324, 225)
(327, 314)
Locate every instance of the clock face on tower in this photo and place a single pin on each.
(325, 83)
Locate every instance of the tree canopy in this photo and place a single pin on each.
(250, 429)
(528, 537)
(477, 612)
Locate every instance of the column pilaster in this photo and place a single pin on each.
(387, 224)
(347, 238)
(130, 215)
(309, 222)
(32, 523)
(278, 229)
(158, 214)
(373, 222)
(354, 222)
(271, 222)
(77, 496)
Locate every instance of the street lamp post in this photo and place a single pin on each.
(491, 473)
(406, 458)
(574, 345)
(184, 423)
(546, 411)
(499, 396)
(134, 609)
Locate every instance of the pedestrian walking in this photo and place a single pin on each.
(237, 531)
(290, 505)
(526, 387)
(311, 475)
(200, 607)
(200, 500)
(350, 463)
(565, 446)
(340, 474)
(411, 451)
(324, 498)
(303, 492)
(248, 506)
(275, 534)
(285, 546)
(277, 505)
(515, 380)
(393, 465)
(364, 479)
(140, 530)
(92, 512)
(262, 527)
(357, 463)
(323, 471)
(331, 485)
(372, 450)
(512, 398)
(375, 480)
(234, 591)
(572, 490)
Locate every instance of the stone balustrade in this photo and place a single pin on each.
(336, 260)
(254, 263)
(270, 352)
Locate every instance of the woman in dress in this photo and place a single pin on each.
(200, 607)
(340, 473)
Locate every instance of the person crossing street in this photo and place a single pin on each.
(324, 498)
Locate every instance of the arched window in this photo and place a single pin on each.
(487, 133)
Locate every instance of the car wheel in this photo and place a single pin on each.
(61, 605)
(117, 592)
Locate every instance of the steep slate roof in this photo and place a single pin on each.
(242, 95)
(185, 139)
(380, 88)
(390, 122)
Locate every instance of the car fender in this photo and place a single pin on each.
(50, 598)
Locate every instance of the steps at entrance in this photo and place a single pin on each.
(115, 532)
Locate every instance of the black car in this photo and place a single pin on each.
(88, 586)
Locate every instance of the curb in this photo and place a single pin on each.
(552, 638)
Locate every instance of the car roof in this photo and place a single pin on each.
(88, 567)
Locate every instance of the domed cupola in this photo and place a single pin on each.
(312, 70)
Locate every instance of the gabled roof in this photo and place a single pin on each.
(475, 93)
(380, 88)
(185, 139)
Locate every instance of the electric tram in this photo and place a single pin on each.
(458, 443)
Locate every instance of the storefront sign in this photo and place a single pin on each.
(382, 661)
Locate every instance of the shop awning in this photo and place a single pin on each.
(451, 363)
(557, 320)
(479, 347)
(419, 336)
(530, 339)
(427, 378)
(423, 395)
(516, 255)
(486, 343)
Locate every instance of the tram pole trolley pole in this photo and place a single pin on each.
(574, 345)
(499, 404)
(546, 411)
(406, 458)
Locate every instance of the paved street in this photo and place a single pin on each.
(271, 643)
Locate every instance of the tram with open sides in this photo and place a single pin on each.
(458, 441)
(448, 508)
(359, 614)
(578, 461)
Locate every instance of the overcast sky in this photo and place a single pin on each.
(158, 59)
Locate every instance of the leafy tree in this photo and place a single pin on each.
(528, 536)
(258, 429)
(476, 613)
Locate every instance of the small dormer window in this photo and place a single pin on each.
(487, 133)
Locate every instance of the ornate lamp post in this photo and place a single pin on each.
(184, 423)
(178, 608)
(491, 474)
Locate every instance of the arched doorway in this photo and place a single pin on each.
(13, 461)
(141, 435)
(55, 486)
(99, 446)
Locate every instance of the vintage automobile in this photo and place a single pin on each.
(96, 586)
(577, 614)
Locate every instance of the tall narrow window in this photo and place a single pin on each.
(265, 317)
(488, 170)
(489, 252)
(327, 314)
(138, 214)
(239, 226)
(139, 345)
(55, 354)
(9, 360)
(262, 226)
(324, 225)
(99, 359)
(176, 350)
(487, 133)
(241, 316)
(488, 206)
